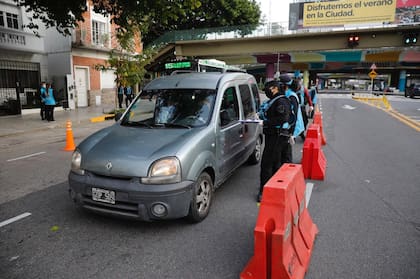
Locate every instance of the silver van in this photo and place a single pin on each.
(181, 138)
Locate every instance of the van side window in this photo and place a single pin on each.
(229, 111)
(247, 101)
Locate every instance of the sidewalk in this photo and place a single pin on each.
(18, 124)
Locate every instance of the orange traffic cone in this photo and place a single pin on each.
(69, 138)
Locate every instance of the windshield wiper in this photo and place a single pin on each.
(177, 125)
(171, 125)
(137, 123)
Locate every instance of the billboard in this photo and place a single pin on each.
(344, 12)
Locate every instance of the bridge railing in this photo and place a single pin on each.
(251, 31)
(217, 33)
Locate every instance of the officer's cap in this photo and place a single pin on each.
(272, 83)
(285, 79)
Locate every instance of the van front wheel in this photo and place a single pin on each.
(255, 157)
(202, 198)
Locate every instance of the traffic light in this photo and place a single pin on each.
(410, 39)
(352, 40)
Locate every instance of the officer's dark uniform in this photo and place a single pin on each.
(276, 138)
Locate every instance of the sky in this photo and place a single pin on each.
(279, 10)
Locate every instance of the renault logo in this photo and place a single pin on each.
(108, 166)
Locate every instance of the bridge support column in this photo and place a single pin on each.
(403, 80)
(269, 71)
(306, 78)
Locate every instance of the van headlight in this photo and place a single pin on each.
(76, 161)
(166, 170)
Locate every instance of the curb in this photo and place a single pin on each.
(102, 118)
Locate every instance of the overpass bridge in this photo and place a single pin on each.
(311, 51)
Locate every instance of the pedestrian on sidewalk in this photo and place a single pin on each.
(42, 95)
(49, 103)
(120, 95)
(128, 92)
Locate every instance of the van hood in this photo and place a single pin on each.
(128, 151)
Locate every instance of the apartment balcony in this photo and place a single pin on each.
(20, 41)
(84, 38)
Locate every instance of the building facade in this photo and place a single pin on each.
(23, 60)
(67, 62)
(72, 61)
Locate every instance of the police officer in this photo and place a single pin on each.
(276, 136)
(304, 98)
(290, 86)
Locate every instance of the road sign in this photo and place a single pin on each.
(373, 67)
(373, 74)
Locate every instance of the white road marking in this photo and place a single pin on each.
(348, 107)
(308, 192)
(14, 219)
(27, 156)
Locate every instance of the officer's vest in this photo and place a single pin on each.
(262, 112)
(299, 127)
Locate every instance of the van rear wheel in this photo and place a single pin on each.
(202, 198)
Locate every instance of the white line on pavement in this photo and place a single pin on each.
(308, 192)
(14, 219)
(27, 156)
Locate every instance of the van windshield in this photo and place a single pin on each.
(171, 108)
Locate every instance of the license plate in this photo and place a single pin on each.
(103, 195)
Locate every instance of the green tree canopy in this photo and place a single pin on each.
(151, 17)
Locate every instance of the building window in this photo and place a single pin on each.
(99, 34)
(12, 20)
(1, 19)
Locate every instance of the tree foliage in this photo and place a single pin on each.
(129, 69)
(151, 17)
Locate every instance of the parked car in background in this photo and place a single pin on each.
(412, 90)
(179, 140)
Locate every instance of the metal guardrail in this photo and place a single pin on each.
(379, 101)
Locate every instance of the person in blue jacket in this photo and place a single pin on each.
(276, 134)
(49, 103)
(42, 94)
(128, 92)
(289, 87)
(314, 95)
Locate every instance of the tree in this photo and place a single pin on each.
(129, 69)
(150, 17)
(211, 13)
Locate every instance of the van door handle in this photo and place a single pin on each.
(241, 132)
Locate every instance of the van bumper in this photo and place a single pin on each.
(131, 199)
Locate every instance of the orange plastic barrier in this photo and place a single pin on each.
(314, 162)
(284, 233)
(306, 226)
(70, 146)
(318, 120)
